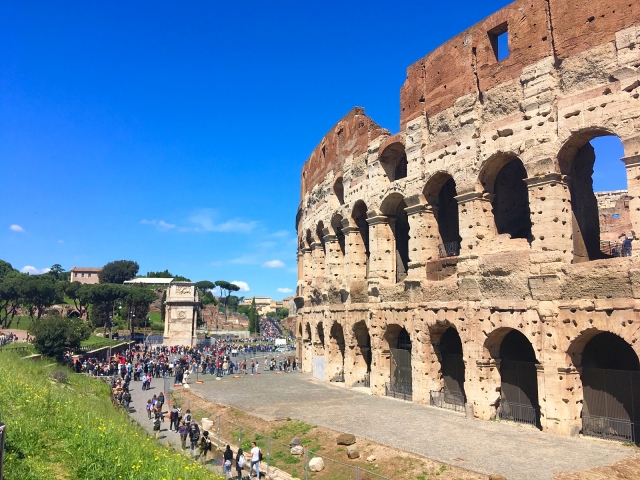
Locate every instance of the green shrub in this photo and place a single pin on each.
(55, 334)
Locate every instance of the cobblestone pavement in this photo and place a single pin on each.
(517, 452)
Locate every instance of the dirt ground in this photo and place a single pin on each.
(389, 462)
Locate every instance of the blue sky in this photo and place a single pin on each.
(174, 134)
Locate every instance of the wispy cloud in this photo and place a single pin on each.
(284, 290)
(16, 228)
(205, 219)
(280, 234)
(273, 264)
(244, 286)
(159, 224)
(31, 270)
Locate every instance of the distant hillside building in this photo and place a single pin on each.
(85, 274)
(264, 305)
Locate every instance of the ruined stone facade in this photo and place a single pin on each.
(479, 215)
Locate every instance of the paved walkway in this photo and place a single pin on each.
(517, 452)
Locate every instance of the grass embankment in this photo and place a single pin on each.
(70, 430)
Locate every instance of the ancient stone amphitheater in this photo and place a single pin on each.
(459, 263)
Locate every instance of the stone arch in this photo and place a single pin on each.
(320, 234)
(448, 347)
(394, 208)
(320, 332)
(393, 160)
(440, 192)
(399, 362)
(517, 363)
(361, 250)
(576, 160)
(502, 177)
(363, 352)
(336, 352)
(336, 228)
(308, 238)
(308, 337)
(338, 190)
(610, 374)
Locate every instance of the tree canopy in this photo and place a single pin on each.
(55, 334)
(118, 271)
(167, 274)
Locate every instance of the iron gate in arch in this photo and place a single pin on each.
(611, 404)
(519, 392)
(399, 385)
(452, 396)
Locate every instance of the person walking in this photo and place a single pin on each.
(241, 462)
(183, 431)
(156, 424)
(205, 446)
(227, 458)
(194, 436)
(255, 459)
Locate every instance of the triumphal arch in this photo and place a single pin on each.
(181, 310)
(466, 262)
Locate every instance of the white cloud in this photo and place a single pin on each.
(280, 234)
(204, 218)
(284, 290)
(273, 264)
(244, 286)
(31, 270)
(159, 224)
(16, 228)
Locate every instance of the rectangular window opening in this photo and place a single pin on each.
(499, 37)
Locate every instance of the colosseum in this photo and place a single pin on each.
(466, 262)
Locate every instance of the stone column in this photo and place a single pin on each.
(317, 252)
(355, 262)
(382, 259)
(633, 186)
(477, 226)
(334, 270)
(420, 217)
(300, 263)
(307, 269)
(551, 219)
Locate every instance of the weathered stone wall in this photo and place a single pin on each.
(507, 144)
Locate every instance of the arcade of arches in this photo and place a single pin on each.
(473, 261)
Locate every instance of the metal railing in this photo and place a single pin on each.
(449, 249)
(609, 428)
(399, 390)
(516, 412)
(276, 454)
(448, 400)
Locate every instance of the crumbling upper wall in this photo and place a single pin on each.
(349, 137)
(537, 29)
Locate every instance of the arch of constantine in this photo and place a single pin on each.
(464, 262)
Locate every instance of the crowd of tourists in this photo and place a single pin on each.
(11, 337)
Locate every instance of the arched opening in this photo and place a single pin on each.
(336, 225)
(601, 224)
(611, 388)
(338, 190)
(300, 330)
(452, 395)
(362, 253)
(362, 364)
(320, 330)
(320, 235)
(394, 162)
(308, 238)
(336, 354)
(400, 376)
(504, 178)
(519, 380)
(394, 207)
(308, 333)
(440, 193)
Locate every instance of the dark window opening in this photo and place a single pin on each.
(404, 340)
(401, 234)
(511, 203)
(394, 162)
(338, 189)
(499, 38)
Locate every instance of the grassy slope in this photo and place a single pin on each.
(71, 431)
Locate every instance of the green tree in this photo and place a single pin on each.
(55, 334)
(118, 271)
(163, 303)
(39, 293)
(167, 274)
(56, 271)
(103, 297)
(225, 292)
(5, 269)
(254, 323)
(80, 294)
(11, 291)
(137, 301)
(282, 313)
